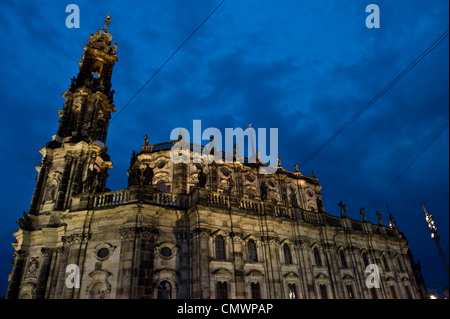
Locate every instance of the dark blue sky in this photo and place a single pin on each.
(304, 67)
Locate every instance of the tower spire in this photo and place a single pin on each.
(76, 160)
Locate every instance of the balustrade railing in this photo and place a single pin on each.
(152, 195)
(110, 198)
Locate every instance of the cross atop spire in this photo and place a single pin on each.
(107, 21)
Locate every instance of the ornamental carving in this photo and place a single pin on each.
(33, 266)
(138, 232)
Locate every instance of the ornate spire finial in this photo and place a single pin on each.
(107, 21)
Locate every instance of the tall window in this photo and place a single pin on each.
(373, 291)
(292, 291)
(343, 260)
(386, 264)
(220, 247)
(256, 291)
(222, 290)
(252, 253)
(393, 292)
(365, 259)
(287, 255)
(350, 292)
(400, 264)
(164, 290)
(323, 291)
(408, 292)
(317, 258)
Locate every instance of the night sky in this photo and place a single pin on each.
(304, 67)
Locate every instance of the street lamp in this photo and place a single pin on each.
(435, 236)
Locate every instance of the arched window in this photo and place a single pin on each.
(287, 254)
(164, 290)
(252, 253)
(256, 291)
(292, 291)
(222, 290)
(317, 258)
(162, 186)
(220, 247)
(343, 260)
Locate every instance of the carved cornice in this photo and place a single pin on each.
(75, 239)
(201, 232)
(20, 254)
(138, 232)
(48, 252)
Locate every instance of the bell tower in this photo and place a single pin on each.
(76, 160)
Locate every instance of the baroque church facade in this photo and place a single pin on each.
(186, 230)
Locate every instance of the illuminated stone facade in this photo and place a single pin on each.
(187, 230)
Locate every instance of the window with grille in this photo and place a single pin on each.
(222, 290)
(256, 291)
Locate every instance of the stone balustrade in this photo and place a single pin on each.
(151, 195)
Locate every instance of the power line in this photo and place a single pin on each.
(410, 164)
(168, 59)
(377, 97)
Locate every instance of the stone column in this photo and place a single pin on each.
(144, 262)
(303, 266)
(125, 273)
(136, 263)
(54, 272)
(273, 270)
(38, 188)
(41, 285)
(238, 262)
(183, 265)
(63, 185)
(14, 283)
(75, 245)
(200, 264)
(333, 267)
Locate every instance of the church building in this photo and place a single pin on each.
(187, 230)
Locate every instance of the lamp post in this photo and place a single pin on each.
(435, 236)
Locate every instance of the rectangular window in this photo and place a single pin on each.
(350, 292)
(292, 291)
(323, 292)
(252, 254)
(220, 248)
(256, 291)
(393, 293)
(373, 291)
